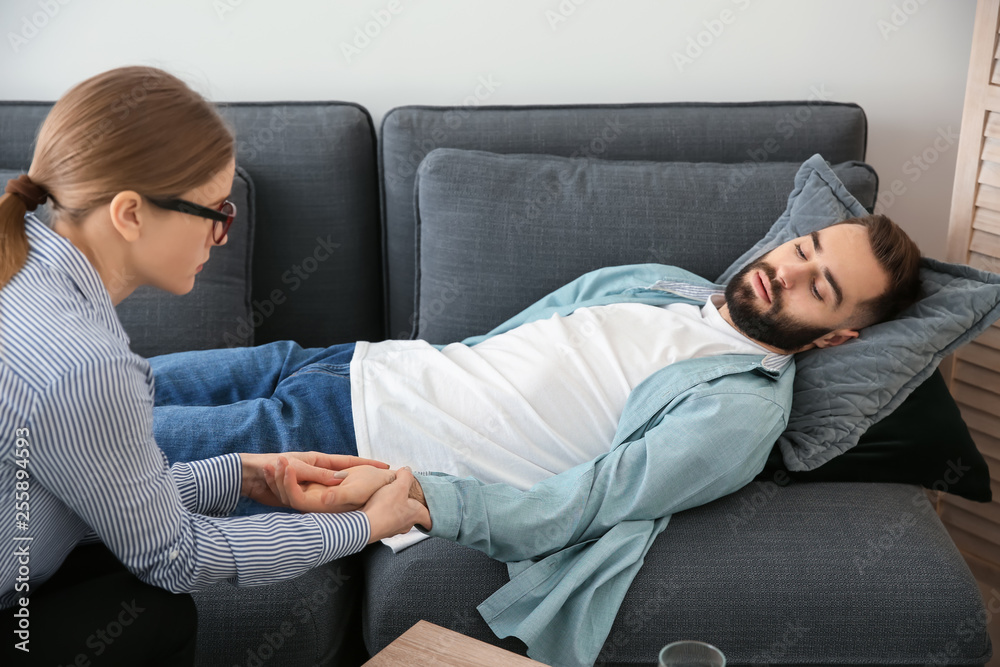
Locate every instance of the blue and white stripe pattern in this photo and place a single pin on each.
(67, 376)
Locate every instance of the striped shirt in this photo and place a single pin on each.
(78, 460)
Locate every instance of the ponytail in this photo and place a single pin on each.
(13, 238)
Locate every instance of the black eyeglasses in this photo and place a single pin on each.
(223, 216)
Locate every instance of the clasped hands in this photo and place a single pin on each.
(316, 482)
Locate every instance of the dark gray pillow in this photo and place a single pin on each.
(496, 232)
(216, 313)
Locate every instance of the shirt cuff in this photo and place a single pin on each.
(343, 534)
(442, 495)
(211, 486)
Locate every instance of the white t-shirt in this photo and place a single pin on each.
(528, 403)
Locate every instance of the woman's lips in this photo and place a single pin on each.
(760, 286)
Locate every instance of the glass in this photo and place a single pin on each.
(691, 654)
(223, 216)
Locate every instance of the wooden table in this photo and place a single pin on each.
(426, 644)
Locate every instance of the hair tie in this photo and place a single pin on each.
(31, 194)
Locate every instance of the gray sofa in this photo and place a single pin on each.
(348, 243)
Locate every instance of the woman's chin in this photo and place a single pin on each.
(180, 288)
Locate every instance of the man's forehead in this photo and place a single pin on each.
(847, 252)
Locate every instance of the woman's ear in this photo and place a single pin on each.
(125, 210)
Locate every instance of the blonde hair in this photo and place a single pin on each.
(130, 128)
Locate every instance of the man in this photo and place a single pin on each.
(695, 430)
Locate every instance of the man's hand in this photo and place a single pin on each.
(341, 491)
(393, 509)
(309, 466)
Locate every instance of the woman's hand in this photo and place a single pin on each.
(310, 467)
(393, 509)
(298, 487)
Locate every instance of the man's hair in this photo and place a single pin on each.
(899, 257)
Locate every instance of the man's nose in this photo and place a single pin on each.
(788, 275)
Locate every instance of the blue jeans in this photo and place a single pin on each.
(276, 397)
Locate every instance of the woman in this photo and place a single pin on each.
(105, 532)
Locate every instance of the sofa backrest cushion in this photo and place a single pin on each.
(751, 134)
(317, 273)
(497, 232)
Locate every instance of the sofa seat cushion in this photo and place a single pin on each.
(763, 574)
(302, 621)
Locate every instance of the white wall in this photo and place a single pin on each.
(903, 61)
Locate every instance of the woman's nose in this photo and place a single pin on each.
(213, 242)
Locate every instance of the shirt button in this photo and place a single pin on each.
(173, 554)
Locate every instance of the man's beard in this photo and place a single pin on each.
(772, 327)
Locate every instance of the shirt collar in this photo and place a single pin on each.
(773, 361)
(61, 256)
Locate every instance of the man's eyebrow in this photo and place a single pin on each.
(826, 272)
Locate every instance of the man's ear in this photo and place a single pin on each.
(124, 210)
(835, 338)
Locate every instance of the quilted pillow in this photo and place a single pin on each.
(841, 391)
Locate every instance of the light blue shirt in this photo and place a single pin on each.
(692, 432)
(78, 458)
